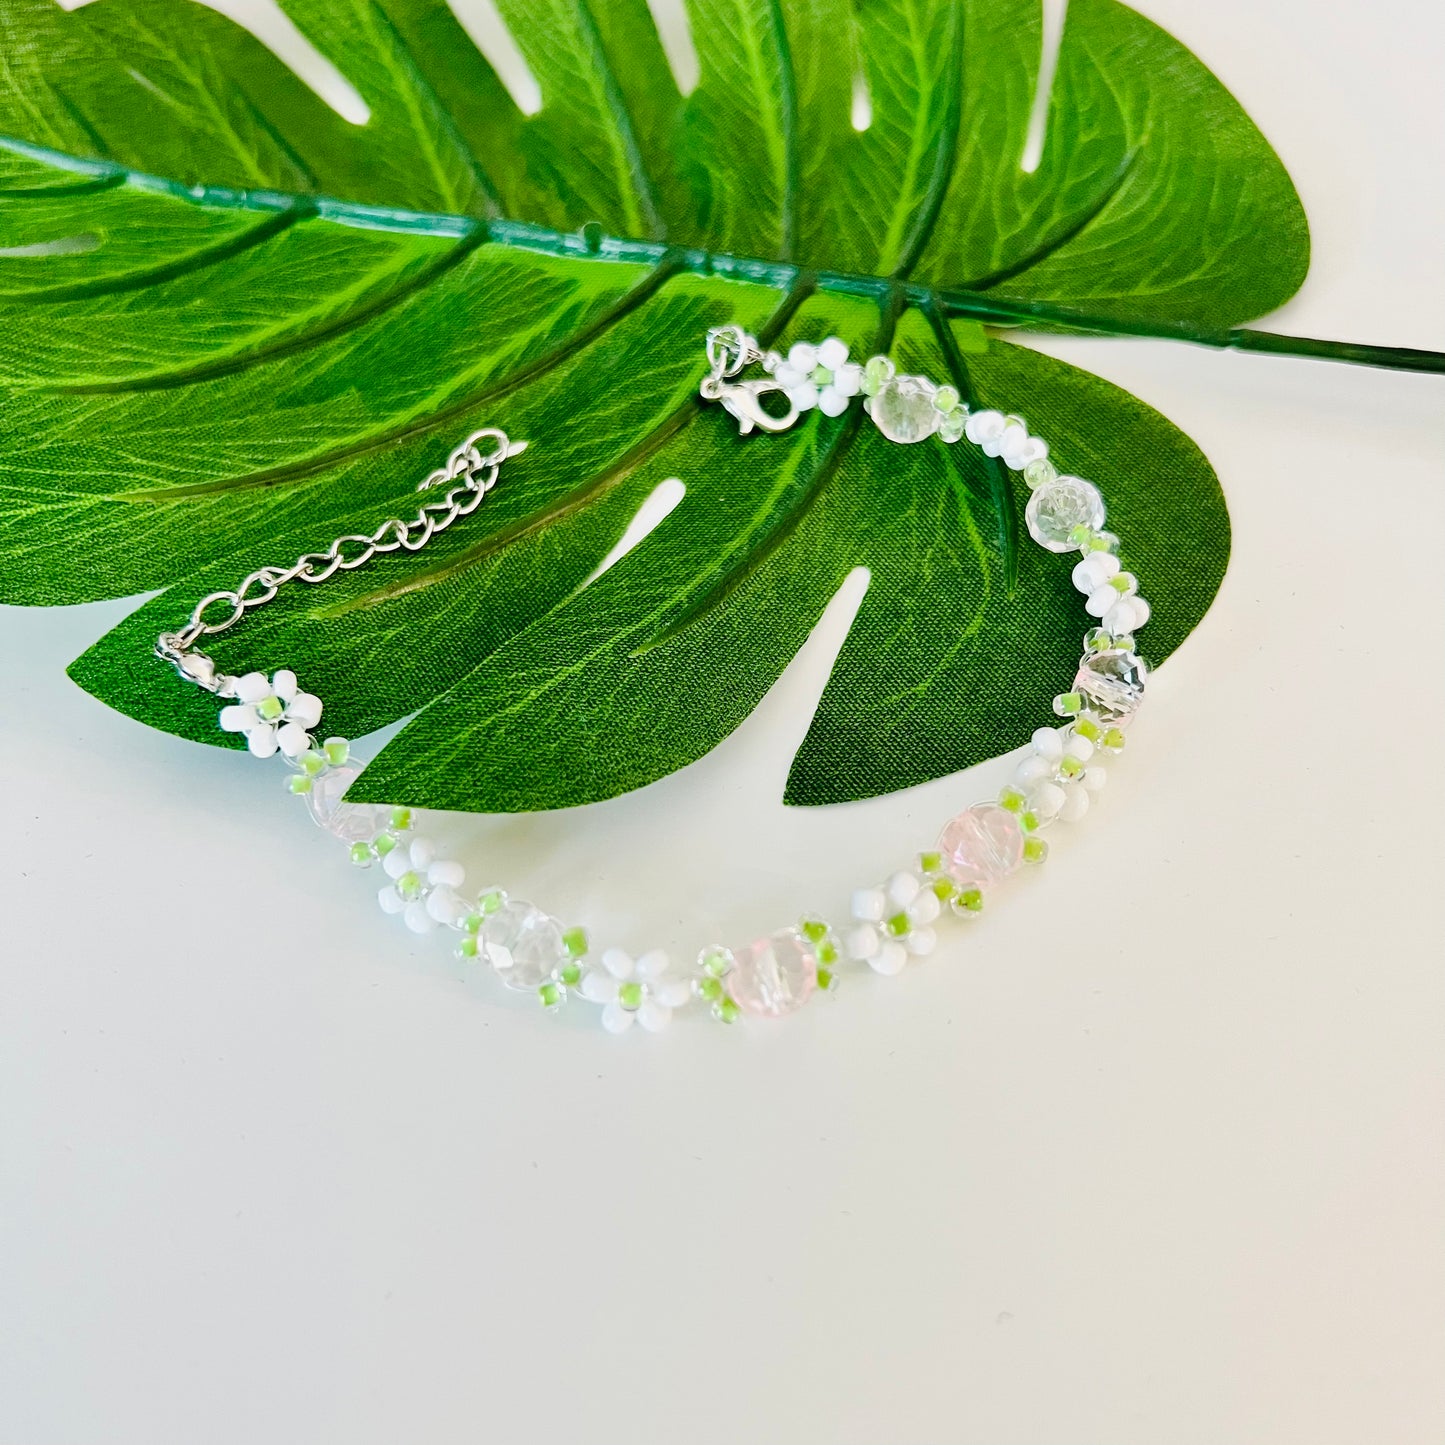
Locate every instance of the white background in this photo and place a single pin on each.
(1152, 1155)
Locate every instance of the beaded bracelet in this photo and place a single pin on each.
(891, 923)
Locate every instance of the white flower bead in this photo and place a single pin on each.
(252, 687)
(1079, 747)
(292, 739)
(1018, 448)
(1128, 614)
(848, 379)
(803, 356)
(862, 942)
(984, 427)
(1047, 743)
(1101, 602)
(1094, 779)
(832, 353)
(925, 908)
(1033, 769)
(1076, 804)
(616, 1019)
(397, 862)
(1094, 571)
(890, 960)
(284, 684)
(903, 888)
(237, 718)
(417, 918)
(390, 900)
(422, 852)
(922, 942)
(446, 872)
(447, 906)
(262, 741)
(869, 905)
(832, 402)
(804, 395)
(1046, 800)
(789, 376)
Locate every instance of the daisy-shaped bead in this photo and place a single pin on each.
(893, 924)
(820, 376)
(635, 989)
(423, 887)
(273, 715)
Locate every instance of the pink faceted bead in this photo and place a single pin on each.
(982, 845)
(773, 975)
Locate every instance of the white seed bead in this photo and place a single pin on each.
(1094, 779)
(237, 718)
(861, 942)
(1094, 571)
(390, 900)
(983, 426)
(922, 942)
(832, 353)
(304, 708)
(787, 375)
(1076, 804)
(803, 356)
(869, 905)
(890, 959)
(446, 905)
(1125, 615)
(396, 863)
(417, 918)
(804, 395)
(903, 888)
(1079, 747)
(1047, 743)
(1141, 613)
(925, 908)
(292, 739)
(832, 402)
(1102, 602)
(262, 742)
(652, 964)
(446, 872)
(423, 853)
(1047, 799)
(848, 379)
(1033, 769)
(252, 687)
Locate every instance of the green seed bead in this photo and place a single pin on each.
(362, 855)
(827, 978)
(409, 884)
(944, 889)
(876, 371)
(1081, 536)
(313, 764)
(821, 376)
(1039, 473)
(472, 922)
(1103, 542)
(898, 925)
(575, 942)
(1096, 639)
(551, 995)
(725, 1011)
(716, 962)
(946, 398)
(826, 954)
(270, 708)
(630, 994)
(298, 783)
(972, 899)
(401, 818)
(1086, 727)
(383, 844)
(490, 901)
(930, 862)
(337, 751)
(710, 989)
(1011, 799)
(1123, 581)
(1066, 704)
(467, 946)
(1035, 850)
(570, 974)
(1070, 767)
(813, 929)
(1028, 820)
(1113, 740)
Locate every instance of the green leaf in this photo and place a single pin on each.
(238, 324)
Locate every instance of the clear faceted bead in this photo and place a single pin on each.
(351, 822)
(903, 409)
(1112, 684)
(773, 975)
(981, 846)
(523, 944)
(1057, 507)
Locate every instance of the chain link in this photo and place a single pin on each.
(474, 475)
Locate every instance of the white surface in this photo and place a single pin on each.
(1152, 1157)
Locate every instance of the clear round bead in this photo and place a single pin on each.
(773, 975)
(351, 822)
(981, 846)
(1112, 684)
(523, 944)
(1058, 507)
(903, 409)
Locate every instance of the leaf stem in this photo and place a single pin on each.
(1003, 311)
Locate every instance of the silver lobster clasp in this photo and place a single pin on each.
(741, 399)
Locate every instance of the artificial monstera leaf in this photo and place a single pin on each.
(236, 324)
